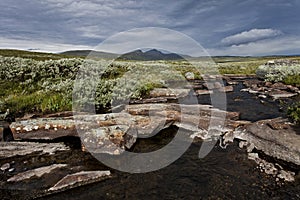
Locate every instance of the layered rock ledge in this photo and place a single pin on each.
(114, 132)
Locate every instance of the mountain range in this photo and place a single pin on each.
(152, 54)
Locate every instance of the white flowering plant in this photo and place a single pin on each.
(289, 74)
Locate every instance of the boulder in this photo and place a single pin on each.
(189, 76)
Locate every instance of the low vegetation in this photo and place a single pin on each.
(34, 86)
(44, 83)
(248, 67)
(294, 112)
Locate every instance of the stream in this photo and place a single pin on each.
(222, 174)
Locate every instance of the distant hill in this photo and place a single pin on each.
(90, 53)
(152, 54)
(31, 54)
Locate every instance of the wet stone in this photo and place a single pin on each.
(11, 149)
(79, 179)
(38, 172)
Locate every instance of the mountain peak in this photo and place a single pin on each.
(152, 54)
(153, 50)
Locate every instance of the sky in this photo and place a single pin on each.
(224, 27)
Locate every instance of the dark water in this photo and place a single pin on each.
(250, 106)
(223, 174)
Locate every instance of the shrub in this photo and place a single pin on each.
(288, 74)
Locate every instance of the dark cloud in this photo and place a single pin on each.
(86, 23)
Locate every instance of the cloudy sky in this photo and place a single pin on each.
(224, 27)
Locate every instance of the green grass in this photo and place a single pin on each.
(292, 80)
(145, 90)
(37, 102)
(248, 67)
(294, 112)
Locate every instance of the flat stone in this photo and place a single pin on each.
(280, 141)
(11, 149)
(167, 92)
(38, 172)
(149, 100)
(232, 82)
(281, 94)
(79, 179)
(203, 92)
(43, 128)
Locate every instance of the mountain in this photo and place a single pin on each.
(152, 54)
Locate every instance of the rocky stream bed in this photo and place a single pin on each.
(257, 154)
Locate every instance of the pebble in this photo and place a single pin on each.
(262, 96)
(11, 170)
(5, 166)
